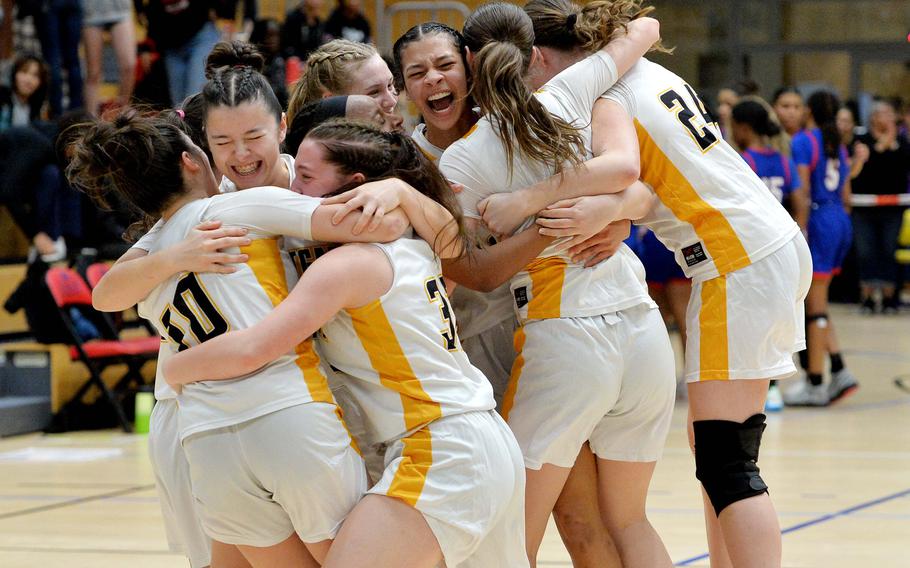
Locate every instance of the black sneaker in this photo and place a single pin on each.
(890, 305)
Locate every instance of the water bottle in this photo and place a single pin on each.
(144, 402)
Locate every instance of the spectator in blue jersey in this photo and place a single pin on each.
(824, 168)
(881, 178)
(752, 129)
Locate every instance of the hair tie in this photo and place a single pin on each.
(570, 22)
(181, 114)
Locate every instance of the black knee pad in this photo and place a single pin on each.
(725, 459)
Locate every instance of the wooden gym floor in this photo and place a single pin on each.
(840, 478)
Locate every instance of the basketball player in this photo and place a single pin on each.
(750, 269)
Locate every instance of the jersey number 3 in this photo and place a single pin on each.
(193, 304)
(436, 292)
(702, 135)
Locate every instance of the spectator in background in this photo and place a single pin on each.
(348, 22)
(22, 102)
(151, 77)
(884, 172)
(790, 109)
(226, 12)
(59, 25)
(304, 30)
(185, 33)
(846, 126)
(727, 98)
(116, 17)
(266, 37)
(31, 190)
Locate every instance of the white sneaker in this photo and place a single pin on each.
(806, 394)
(775, 401)
(842, 385)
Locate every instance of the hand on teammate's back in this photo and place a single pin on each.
(204, 248)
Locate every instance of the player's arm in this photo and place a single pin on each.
(430, 220)
(847, 196)
(641, 34)
(583, 217)
(137, 273)
(800, 200)
(616, 166)
(486, 268)
(346, 277)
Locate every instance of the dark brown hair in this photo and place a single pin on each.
(356, 147)
(39, 97)
(135, 158)
(501, 37)
(419, 32)
(234, 72)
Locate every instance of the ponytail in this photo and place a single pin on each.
(566, 26)
(823, 105)
(501, 36)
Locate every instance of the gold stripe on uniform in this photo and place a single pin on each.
(547, 277)
(713, 356)
(508, 398)
(675, 192)
(389, 361)
(411, 475)
(265, 262)
(392, 365)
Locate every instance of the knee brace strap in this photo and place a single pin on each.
(821, 319)
(726, 453)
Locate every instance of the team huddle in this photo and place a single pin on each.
(409, 351)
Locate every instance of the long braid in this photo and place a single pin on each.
(329, 69)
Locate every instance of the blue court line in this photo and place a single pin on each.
(819, 520)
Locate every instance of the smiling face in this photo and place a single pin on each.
(436, 80)
(28, 79)
(316, 176)
(374, 79)
(244, 141)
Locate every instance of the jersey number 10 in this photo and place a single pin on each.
(702, 135)
(192, 303)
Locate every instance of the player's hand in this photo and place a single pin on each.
(374, 199)
(603, 245)
(860, 153)
(579, 218)
(503, 212)
(203, 249)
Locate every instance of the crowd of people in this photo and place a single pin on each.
(382, 349)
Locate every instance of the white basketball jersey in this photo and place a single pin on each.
(190, 308)
(401, 351)
(714, 212)
(476, 311)
(551, 286)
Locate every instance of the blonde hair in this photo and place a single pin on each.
(566, 26)
(501, 37)
(329, 69)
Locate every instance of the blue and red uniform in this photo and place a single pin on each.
(659, 262)
(776, 170)
(830, 230)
